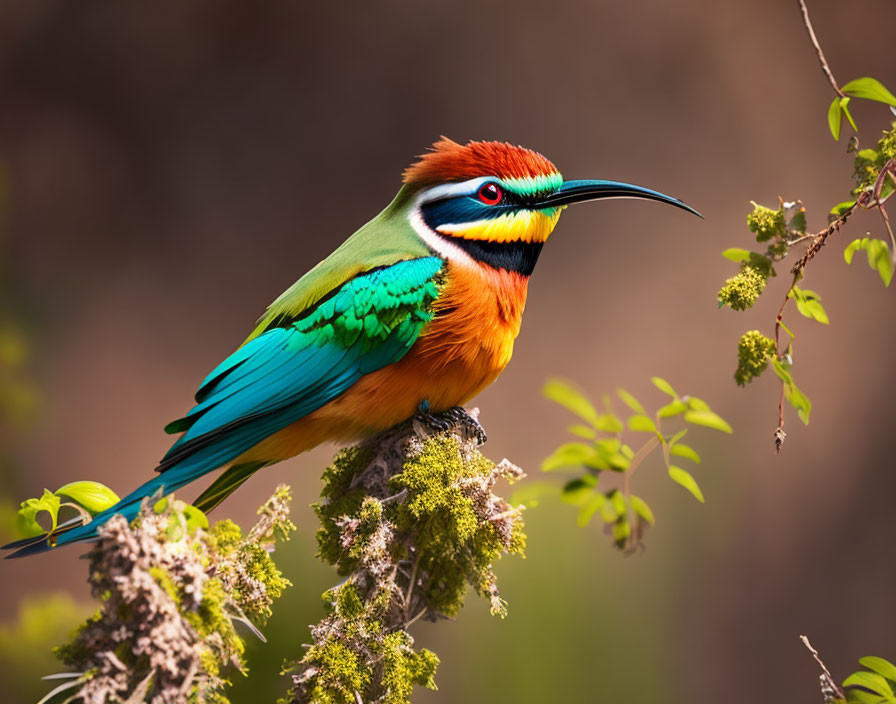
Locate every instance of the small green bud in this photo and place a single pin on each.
(741, 292)
(753, 352)
(766, 223)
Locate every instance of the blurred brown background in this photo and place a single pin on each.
(171, 167)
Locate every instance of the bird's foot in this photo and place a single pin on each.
(454, 418)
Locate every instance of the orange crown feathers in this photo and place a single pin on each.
(449, 161)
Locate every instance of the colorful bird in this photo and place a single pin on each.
(415, 313)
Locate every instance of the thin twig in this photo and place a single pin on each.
(415, 619)
(820, 238)
(780, 435)
(821, 59)
(407, 598)
(827, 679)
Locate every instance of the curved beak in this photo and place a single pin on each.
(588, 189)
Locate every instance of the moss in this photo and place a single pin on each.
(340, 673)
(404, 668)
(742, 291)
(413, 523)
(226, 535)
(753, 353)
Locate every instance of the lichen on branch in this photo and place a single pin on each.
(411, 520)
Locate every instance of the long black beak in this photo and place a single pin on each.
(588, 189)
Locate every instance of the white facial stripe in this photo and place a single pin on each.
(437, 243)
(464, 188)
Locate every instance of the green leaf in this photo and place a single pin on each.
(878, 253)
(93, 496)
(631, 401)
(578, 490)
(808, 303)
(609, 423)
(697, 404)
(597, 502)
(851, 249)
(736, 254)
(193, 518)
(687, 481)
(844, 106)
(678, 436)
(641, 424)
(622, 529)
(618, 501)
(583, 431)
(869, 680)
(794, 396)
(686, 451)
(834, 117)
(608, 509)
(609, 455)
(640, 507)
(26, 518)
(840, 208)
(869, 89)
(571, 454)
(708, 419)
(672, 409)
(860, 696)
(573, 400)
(882, 667)
(663, 386)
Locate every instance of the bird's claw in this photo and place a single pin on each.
(454, 418)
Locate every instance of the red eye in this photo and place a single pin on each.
(490, 194)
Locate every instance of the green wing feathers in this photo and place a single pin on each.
(385, 240)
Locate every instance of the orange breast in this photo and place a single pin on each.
(464, 349)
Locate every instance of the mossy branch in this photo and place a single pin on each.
(411, 521)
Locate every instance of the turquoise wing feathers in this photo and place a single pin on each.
(288, 371)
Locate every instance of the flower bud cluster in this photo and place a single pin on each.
(742, 291)
(753, 353)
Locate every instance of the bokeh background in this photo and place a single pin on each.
(169, 168)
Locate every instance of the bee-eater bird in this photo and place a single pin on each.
(416, 312)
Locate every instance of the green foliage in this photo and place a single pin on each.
(753, 353)
(869, 89)
(88, 498)
(869, 162)
(625, 515)
(879, 258)
(874, 685)
(808, 303)
(795, 397)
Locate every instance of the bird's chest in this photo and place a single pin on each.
(477, 318)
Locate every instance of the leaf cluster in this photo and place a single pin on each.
(85, 497)
(876, 684)
(604, 448)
